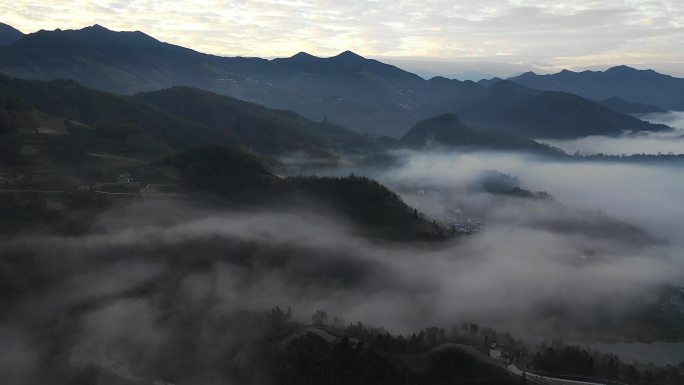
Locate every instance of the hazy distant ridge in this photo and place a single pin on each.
(363, 94)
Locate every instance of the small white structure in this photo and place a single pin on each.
(498, 352)
(494, 352)
(125, 178)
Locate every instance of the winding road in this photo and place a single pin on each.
(542, 378)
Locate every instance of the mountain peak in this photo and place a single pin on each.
(96, 27)
(621, 68)
(302, 55)
(349, 55)
(97, 31)
(489, 82)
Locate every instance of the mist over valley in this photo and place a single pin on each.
(169, 216)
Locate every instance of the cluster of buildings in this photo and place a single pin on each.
(455, 219)
(468, 226)
(499, 352)
(461, 223)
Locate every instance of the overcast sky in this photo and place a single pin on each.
(544, 34)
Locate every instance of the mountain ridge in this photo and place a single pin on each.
(182, 117)
(364, 94)
(448, 131)
(630, 84)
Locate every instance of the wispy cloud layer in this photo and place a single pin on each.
(546, 34)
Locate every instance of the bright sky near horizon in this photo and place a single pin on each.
(546, 34)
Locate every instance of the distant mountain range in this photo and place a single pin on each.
(632, 85)
(460, 69)
(362, 94)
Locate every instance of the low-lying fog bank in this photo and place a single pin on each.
(539, 267)
(647, 142)
(528, 280)
(659, 353)
(593, 223)
(647, 196)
